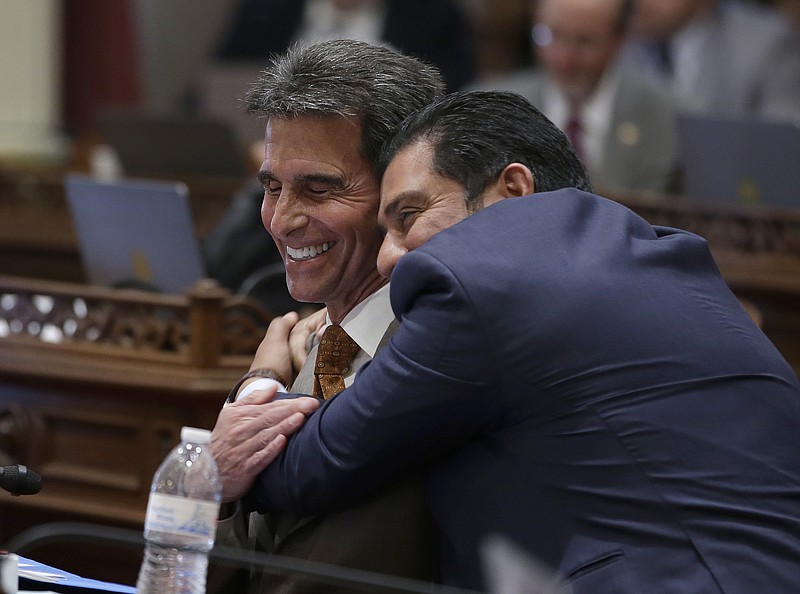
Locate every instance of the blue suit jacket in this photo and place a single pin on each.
(583, 383)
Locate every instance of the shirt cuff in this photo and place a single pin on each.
(260, 384)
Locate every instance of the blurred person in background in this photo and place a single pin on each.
(436, 31)
(727, 58)
(622, 126)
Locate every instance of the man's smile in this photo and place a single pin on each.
(308, 252)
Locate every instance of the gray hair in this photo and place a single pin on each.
(374, 84)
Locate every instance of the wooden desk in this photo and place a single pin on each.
(95, 385)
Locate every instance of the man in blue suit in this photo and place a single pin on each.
(567, 375)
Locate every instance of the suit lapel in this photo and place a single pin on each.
(281, 525)
(304, 382)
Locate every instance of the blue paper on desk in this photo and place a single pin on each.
(38, 576)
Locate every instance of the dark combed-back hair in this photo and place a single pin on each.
(373, 84)
(476, 134)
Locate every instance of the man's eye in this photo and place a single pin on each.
(272, 189)
(317, 191)
(404, 217)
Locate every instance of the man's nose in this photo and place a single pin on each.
(283, 215)
(390, 252)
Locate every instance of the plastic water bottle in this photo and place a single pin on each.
(181, 521)
(9, 577)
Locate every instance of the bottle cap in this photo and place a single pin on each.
(195, 435)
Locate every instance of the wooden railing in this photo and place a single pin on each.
(207, 327)
(96, 383)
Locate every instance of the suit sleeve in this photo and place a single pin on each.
(425, 394)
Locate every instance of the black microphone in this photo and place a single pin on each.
(18, 480)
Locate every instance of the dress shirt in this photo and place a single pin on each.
(595, 115)
(366, 324)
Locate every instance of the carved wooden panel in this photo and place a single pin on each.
(745, 229)
(95, 385)
(132, 321)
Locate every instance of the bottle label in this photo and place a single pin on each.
(182, 516)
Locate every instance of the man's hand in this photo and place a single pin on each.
(249, 435)
(300, 334)
(273, 352)
(284, 348)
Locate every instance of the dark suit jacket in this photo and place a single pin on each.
(390, 532)
(584, 384)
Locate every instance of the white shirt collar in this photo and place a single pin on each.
(366, 323)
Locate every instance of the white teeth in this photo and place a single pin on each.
(306, 253)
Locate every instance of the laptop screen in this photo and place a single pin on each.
(744, 161)
(135, 233)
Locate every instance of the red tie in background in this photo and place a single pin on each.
(334, 355)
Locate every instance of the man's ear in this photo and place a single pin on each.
(515, 180)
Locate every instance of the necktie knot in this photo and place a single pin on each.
(334, 356)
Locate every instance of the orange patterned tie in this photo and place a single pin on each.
(334, 355)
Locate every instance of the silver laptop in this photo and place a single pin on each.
(135, 233)
(744, 161)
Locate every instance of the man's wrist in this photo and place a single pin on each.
(256, 373)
